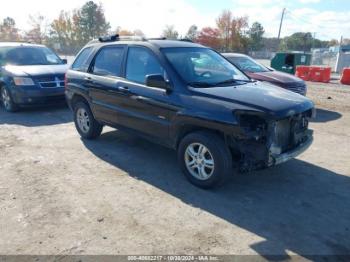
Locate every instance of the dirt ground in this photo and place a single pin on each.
(123, 195)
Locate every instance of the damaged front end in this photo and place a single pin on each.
(264, 141)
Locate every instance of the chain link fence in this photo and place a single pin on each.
(324, 57)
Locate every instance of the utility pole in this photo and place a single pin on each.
(279, 31)
(313, 41)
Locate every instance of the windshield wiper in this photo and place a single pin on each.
(233, 81)
(200, 84)
(228, 81)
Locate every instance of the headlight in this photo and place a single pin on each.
(23, 81)
(251, 119)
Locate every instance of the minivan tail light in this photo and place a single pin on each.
(65, 81)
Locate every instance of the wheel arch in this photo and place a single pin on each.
(185, 129)
(78, 98)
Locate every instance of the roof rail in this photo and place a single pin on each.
(186, 40)
(164, 38)
(108, 38)
(157, 38)
(117, 37)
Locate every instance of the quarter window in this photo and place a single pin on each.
(80, 62)
(141, 63)
(108, 61)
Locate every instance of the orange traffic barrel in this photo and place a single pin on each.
(345, 77)
(303, 72)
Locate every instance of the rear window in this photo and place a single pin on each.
(80, 62)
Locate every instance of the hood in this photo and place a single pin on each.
(36, 70)
(275, 77)
(276, 102)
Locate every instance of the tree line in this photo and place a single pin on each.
(66, 34)
(73, 29)
(234, 34)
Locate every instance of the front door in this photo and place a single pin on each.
(147, 109)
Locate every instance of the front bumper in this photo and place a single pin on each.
(35, 95)
(286, 156)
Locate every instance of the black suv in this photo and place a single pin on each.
(30, 75)
(189, 98)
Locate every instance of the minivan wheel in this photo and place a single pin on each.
(205, 159)
(7, 101)
(85, 123)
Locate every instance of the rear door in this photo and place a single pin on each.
(102, 81)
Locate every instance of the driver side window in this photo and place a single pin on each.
(140, 63)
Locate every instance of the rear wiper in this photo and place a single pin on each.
(200, 84)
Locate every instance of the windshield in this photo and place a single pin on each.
(202, 66)
(24, 55)
(248, 64)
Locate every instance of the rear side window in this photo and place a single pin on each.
(108, 61)
(80, 62)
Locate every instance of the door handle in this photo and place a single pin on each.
(124, 89)
(88, 79)
(142, 98)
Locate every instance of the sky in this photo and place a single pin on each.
(328, 19)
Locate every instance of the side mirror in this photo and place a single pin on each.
(157, 81)
(65, 61)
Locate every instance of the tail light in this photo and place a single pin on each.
(65, 81)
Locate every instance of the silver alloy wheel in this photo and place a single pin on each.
(83, 120)
(6, 99)
(199, 161)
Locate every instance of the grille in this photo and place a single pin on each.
(52, 81)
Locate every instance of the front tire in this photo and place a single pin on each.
(7, 100)
(205, 159)
(85, 123)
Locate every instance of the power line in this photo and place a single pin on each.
(320, 27)
(304, 21)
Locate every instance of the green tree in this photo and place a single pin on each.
(8, 30)
(90, 22)
(170, 32)
(256, 33)
(301, 41)
(192, 33)
(270, 43)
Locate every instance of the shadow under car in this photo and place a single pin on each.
(296, 206)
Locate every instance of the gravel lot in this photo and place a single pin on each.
(123, 195)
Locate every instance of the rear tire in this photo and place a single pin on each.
(85, 123)
(7, 100)
(205, 159)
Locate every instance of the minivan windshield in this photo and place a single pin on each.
(28, 55)
(203, 67)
